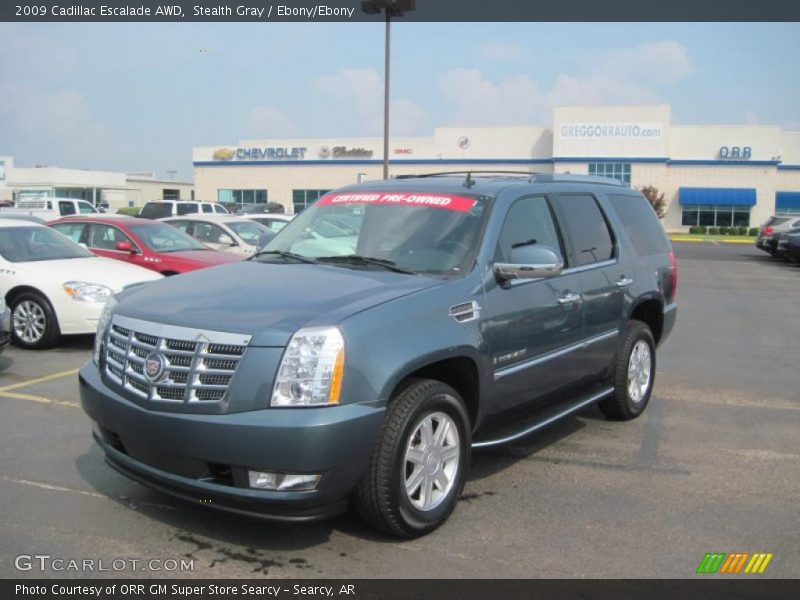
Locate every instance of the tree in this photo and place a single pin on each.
(656, 200)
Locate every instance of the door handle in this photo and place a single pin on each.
(624, 281)
(569, 298)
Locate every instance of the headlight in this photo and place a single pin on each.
(311, 370)
(87, 292)
(102, 326)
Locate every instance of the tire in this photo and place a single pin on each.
(34, 325)
(628, 400)
(381, 497)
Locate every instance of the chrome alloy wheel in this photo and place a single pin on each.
(639, 371)
(431, 461)
(30, 321)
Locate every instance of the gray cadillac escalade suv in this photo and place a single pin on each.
(379, 337)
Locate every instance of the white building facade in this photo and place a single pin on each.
(116, 189)
(710, 175)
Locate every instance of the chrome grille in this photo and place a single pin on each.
(196, 365)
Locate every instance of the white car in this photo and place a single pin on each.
(161, 209)
(224, 232)
(54, 286)
(273, 221)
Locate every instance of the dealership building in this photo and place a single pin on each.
(715, 175)
(114, 188)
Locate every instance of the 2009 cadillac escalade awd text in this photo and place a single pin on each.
(383, 334)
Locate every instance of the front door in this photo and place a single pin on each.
(532, 325)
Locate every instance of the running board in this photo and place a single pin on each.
(545, 420)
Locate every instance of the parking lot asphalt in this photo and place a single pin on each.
(712, 466)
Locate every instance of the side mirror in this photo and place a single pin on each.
(226, 240)
(529, 262)
(125, 247)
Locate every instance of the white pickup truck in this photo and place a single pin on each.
(49, 208)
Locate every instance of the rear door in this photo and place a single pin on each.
(532, 325)
(604, 277)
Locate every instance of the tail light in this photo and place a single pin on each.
(673, 276)
(767, 230)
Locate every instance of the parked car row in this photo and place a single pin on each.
(779, 236)
(55, 277)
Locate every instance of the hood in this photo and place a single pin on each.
(95, 269)
(203, 257)
(268, 301)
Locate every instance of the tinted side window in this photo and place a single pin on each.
(528, 219)
(186, 208)
(587, 229)
(641, 223)
(207, 208)
(66, 208)
(156, 210)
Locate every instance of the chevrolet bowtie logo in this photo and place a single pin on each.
(224, 154)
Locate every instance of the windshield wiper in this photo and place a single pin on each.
(366, 260)
(284, 254)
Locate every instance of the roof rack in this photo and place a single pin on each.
(575, 178)
(465, 172)
(532, 177)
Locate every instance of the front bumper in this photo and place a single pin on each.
(203, 458)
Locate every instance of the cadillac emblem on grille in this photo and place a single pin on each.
(154, 366)
(161, 363)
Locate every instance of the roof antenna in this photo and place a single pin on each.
(469, 181)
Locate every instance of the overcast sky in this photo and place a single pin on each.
(137, 97)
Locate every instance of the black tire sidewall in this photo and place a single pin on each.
(440, 399)
(51, 330)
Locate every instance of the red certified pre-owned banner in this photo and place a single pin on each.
(456, 203)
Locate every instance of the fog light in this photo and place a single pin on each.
(295, 482)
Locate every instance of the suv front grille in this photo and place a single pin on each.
(195, 367)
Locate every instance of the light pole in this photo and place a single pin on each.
(392, 8)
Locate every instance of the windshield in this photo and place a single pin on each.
(249, 231)
(28, 244)
(166, 238)
(419, 232)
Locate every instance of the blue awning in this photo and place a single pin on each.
(717, 196)
(787, 200)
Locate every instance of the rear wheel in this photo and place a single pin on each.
(420, 462)
(634, 374)
(33, 322)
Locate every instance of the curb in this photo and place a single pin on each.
(699, 241)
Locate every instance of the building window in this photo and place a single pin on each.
(620, 171)
(715, 216)
(301, 199)
(787, 211)
(170, 194)
(242, 196)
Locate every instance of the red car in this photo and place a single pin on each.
(144, 242)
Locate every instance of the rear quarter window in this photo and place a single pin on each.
(187, 208)
(156, 210)
(641, 222)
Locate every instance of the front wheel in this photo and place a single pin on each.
(420, 461)
(634, 374)
(33, 322)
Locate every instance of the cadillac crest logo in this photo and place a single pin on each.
(154, 366)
